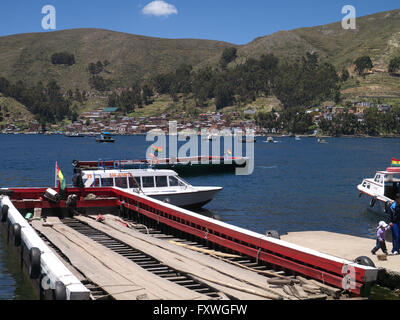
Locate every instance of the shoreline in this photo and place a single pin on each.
(90, 135)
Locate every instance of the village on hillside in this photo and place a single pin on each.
(112, 121)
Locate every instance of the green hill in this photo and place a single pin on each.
(131, 57)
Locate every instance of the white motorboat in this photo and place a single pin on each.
(381, 190)
(163, 185)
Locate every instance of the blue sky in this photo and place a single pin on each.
(233, 21)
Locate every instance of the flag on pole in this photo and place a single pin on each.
(61, 181)
(395, 163)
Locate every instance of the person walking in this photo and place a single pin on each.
(380, 238)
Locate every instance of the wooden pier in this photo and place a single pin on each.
(124, 246)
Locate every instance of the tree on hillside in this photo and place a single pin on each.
(95, 68)
(394, 65)
(228, 55)
(223, 95)
(100, 84)
(362, 64)
(64, 58)
(345, 75)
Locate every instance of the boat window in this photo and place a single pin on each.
(133, 183)
(161, 182)
(173, 182)
(121, 183)
(379, 178)
(107, 182)
(148, 182)
(96, 183)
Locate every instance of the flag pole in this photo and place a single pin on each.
(55, 177)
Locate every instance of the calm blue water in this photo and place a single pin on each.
(296, 185)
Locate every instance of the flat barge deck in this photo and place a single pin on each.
(105, 243)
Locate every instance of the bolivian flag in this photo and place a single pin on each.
(157, 149)
(61, 180)
(395, 163)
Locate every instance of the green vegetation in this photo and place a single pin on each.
(307, 82)
(63, 58)
(394, 65)
(45, 102)
(362, 64)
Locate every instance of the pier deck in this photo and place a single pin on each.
(343, 246)
(123, 279)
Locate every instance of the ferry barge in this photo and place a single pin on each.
(83, 243)
(189, 166)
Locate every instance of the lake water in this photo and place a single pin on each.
(296, 185)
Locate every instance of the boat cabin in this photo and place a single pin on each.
(133, 179)
(385, 183)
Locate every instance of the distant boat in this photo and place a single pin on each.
(74, 135)
(270, 140)
(297, 138)
(322, 141)
(105, 138)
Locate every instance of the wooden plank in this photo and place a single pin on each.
(94, 270)
(334, 292)
(198, 265)
(152, 285)
(162, 288)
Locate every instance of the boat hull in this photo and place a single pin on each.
(191, 199)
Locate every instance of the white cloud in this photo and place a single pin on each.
(159, 8)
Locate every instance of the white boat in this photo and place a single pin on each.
(381, 190)
(163, 185)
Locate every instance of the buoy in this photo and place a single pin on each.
(17, 234)
(365, 261)
(60, 291)
(4, 213)
(273, 234)
(35, 265)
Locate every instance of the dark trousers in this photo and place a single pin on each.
(380, 245)
(396, 237)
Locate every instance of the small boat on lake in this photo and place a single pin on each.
(382, 189)
(105, 138)
(74, 135)
(323, 141)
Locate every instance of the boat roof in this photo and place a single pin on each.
(390, 171)
(135, 172)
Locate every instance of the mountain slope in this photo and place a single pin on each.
(377, 35)
(132, 58)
